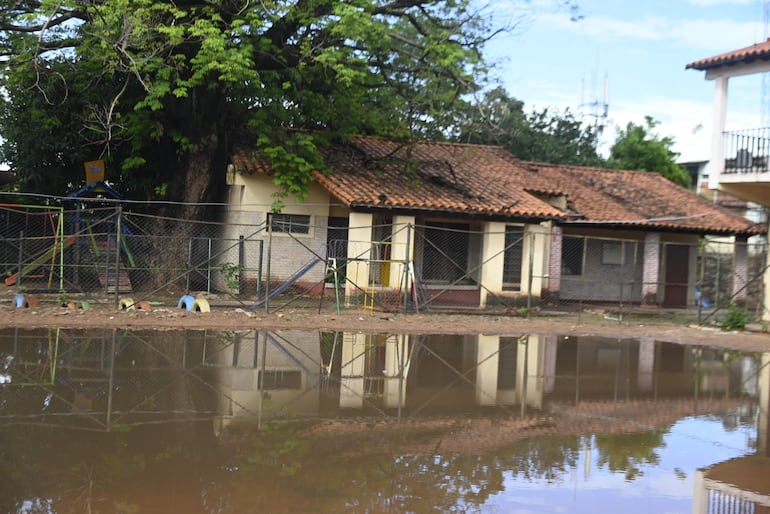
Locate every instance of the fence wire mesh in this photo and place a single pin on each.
(273, 260)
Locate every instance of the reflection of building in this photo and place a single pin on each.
(308, 373)
(261, 372)
(740, 485)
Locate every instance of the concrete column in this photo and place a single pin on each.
(651, 268)
(763, 431)
(554, 261)
(531, 363)
(487, 366)
(396, 369)
(492, 258)
(646, 367)
(534, 259)
(352, 371)
(717, 163)
(700, 494)
(549, 364)
(766, 289)
(401, 240)
(359, 250)
(741, 266)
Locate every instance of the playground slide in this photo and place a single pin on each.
(289, 281)
(38, 261)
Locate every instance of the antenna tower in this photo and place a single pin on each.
(595, 108)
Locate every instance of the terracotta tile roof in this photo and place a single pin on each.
(448, 178)
(488, 182)
(756, 52)
(247, 161)
(642, 199)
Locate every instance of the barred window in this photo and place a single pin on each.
(514, 245)
(572, 255)
(272, 380)
(289, 223)
(445, 256)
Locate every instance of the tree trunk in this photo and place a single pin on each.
(197, 184)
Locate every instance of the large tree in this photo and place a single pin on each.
(163, 90)
(638, 147)
(545, 135)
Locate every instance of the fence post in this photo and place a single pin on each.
(259, 266)
(622, 278)
(117, 257)
(20, 260)
(77, 259)
(699, 285)
(209, 256)
(241, 262)
(529, 273)
(717, 281)
(267, 271)
(189, 264)
(406, 267)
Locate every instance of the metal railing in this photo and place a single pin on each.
(747, 151)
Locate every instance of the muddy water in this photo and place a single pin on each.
(219, 422)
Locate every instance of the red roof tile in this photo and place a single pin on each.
(642, 199)
(450, 178)
(489, 182)
(247, 161)
(756, 52)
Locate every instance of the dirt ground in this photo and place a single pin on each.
(657, 324)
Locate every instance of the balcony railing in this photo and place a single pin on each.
(747, 151)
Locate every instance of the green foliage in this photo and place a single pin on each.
(166, 89)
(231, 274)
(544, 136)
(637, 147)
(737, 318)
(292, 157)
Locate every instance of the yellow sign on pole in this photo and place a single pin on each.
(94, 171)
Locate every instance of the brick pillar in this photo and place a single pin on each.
(554, 262)
(651, 268)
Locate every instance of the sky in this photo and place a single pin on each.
(642, 48)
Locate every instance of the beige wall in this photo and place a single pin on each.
(251, 199)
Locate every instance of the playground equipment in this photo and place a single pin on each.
(288, 282)
(33, 240)
(47, 257)
(102, 241)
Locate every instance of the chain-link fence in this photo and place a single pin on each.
(266, 260)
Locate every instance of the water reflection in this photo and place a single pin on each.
(199, 421)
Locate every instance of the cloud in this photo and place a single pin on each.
(703, 34)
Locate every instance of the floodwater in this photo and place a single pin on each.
(295, 421)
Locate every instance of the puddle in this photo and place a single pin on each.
(213, 421)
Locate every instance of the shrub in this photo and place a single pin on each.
(736, 319)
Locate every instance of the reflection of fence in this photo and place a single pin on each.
(111, 251)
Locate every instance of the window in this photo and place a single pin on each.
(612, 253)
(289, 223)
(279, 379)
(445, 255)
(514, 245)
(572, 255)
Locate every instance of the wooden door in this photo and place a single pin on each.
(677, 273)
